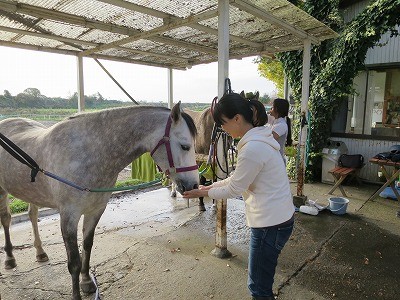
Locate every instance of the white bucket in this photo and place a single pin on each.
(338, 205)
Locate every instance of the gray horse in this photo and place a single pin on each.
(90, 150)
(205, 124)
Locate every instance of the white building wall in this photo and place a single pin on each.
(389, 52)
(368, 148)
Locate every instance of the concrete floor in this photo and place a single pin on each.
(150, 246)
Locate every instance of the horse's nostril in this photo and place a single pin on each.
(196, 186)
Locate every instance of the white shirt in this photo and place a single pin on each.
(261, 177)
(279, 126)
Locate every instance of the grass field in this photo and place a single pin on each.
(18, 206)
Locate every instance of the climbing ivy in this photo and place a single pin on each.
(334, 65)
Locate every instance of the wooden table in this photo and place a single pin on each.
(390, 179)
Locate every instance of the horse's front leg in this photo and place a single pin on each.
(5, 216)
(69, 226)
(203, 181)
(173, 190)
(41, 256)
(89, 227)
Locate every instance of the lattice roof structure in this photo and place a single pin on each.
(164, 33)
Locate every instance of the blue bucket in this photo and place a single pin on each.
(338, 205)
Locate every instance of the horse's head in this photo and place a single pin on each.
(250, 95)
(178, 158)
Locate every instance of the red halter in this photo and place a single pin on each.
(165, 140)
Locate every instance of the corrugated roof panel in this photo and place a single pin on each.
(38, 41)
(179, 8)
(143, 45)
(62, 29)
(103, 30)
(101, 37)
(112, 14)
(49, 4)
(7, 36)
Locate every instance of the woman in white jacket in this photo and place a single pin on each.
(260, 176)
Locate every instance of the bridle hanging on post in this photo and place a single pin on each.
(217, 133)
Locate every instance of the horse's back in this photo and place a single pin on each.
(16, 126)
(204, 123)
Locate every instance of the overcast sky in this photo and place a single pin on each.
(55, 76)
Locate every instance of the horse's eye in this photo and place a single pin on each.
(185, 148)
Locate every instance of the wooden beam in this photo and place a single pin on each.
(100, 56)
(165, 16)
(47, 14)
(159, 30)
(82, 42)
(47, 36)
(270, 18)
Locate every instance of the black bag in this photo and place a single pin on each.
(351, 161)
(384, 155)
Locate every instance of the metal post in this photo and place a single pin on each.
(170, 88)
(220, 249)
(305, 92)
(81, 94)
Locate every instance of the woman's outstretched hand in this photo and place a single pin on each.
(202, 191)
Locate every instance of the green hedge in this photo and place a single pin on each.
(18, 206)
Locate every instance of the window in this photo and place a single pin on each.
(374, 108)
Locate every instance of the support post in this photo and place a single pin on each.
(220, 249)
(305, 92)
(286, 88)
(81, 93)
(170, 88)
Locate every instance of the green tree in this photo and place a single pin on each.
(7, 94)
(34, 92)
(272, 69)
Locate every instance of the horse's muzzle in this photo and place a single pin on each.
(181, 187)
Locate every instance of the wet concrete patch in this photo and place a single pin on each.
(361, 261)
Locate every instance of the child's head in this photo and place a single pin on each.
(281, 107)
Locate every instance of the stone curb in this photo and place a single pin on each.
(23, 217)
(45, 212)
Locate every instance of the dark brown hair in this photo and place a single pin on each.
(232, 104)
(281, 107)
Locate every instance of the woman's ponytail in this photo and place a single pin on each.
(289, 140)
(260, 117)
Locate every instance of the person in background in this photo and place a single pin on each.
(260, 176)
(280, 124)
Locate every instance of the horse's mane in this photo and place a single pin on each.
(126, 111)
(190, 124)
(120, 110)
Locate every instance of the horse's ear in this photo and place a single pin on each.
(242, 94)
(176, 112)
(257, 95)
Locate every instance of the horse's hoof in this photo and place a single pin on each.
(42, 257)
(10, 264)
(173, 194)
(88, 287)
(202, 207)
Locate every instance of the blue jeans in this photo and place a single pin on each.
(265, 246)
